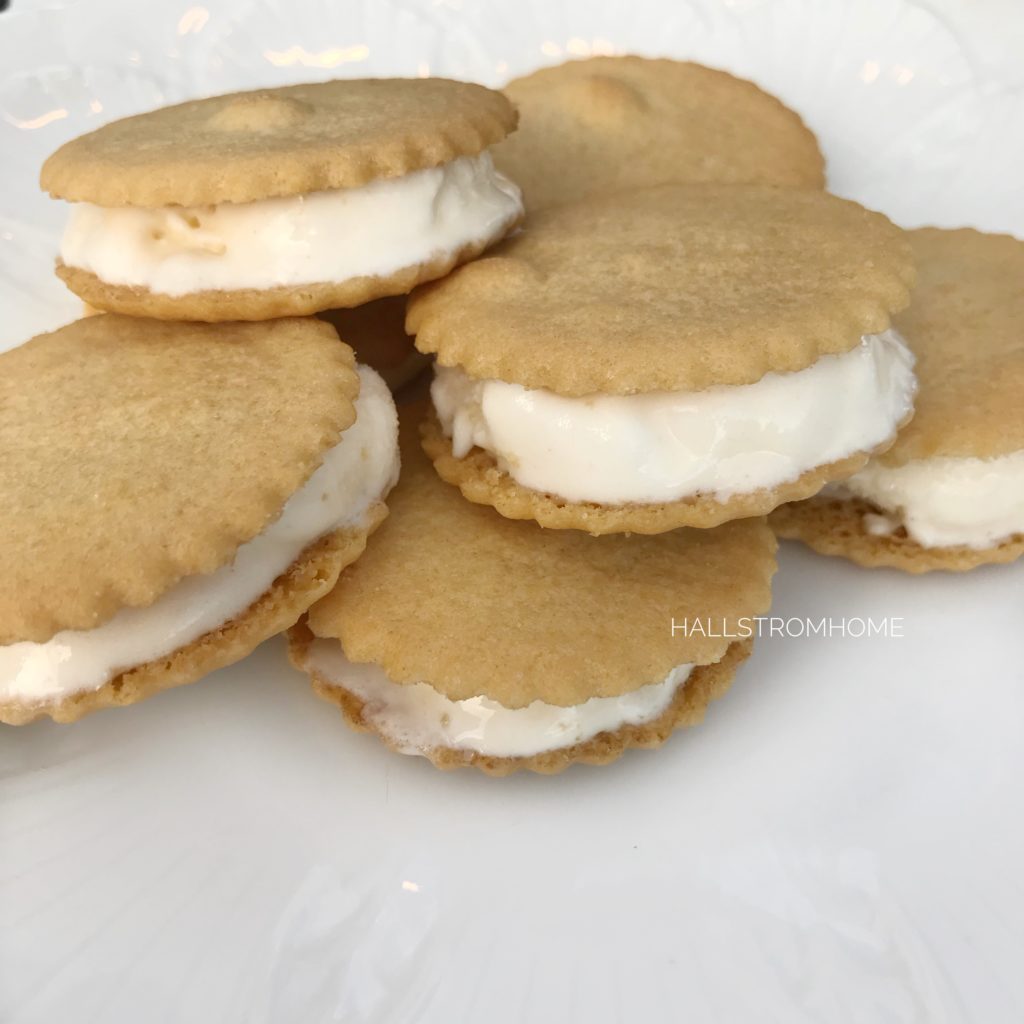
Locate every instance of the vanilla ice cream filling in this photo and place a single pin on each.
(943, 502)
(414, 718)
(664, 446)
(354, 474)
(371, 231)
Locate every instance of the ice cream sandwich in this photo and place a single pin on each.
(474, 640)
(171, 495)
(283, 201)
(949, 494)
(682, 355)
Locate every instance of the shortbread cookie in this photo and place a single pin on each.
(590, 127)
(480, 478)
(376, 333)
(849, 527)
(411, 723)
(283, 201)
(308, 578)
(949, 494)
(530, 648)
(171, 495)
(676, 356)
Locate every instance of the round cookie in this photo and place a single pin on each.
(285, 201)
(376, 333)
(523, 618)
(687, 709)
(964, 325)
(949, 494)
(288, 141)
(591, 127)
(849, 527)
(152, 524)
(616, 328)
(308, 579)
(480, 479)
(674, 288)
(86, 410)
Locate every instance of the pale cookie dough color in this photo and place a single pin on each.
(683, 355)
(283, 201)
(591, 127)
(173, 494)
(529, 648)
(949, 494)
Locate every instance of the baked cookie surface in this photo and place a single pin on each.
(283, 202)
(843, 527)
(108, 424)
(964, 325)
(590, 127)
(687, 708)
(309, 578)
(206, 620)
(949, 493)
(678, 355)
(286, 141)
(525, 614)
(673, 288)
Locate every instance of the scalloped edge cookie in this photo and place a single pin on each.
(604, 124)
(289, 140)
(964, 325)
(311, 576)
(114, 418)
(512, 609)
(836, 526)
(705, 684)
(588, 298)
(480, 480)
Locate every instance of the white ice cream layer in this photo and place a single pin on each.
(328, 236)
(354, 474)
(416, 718)
(944, 502)
(662, 447)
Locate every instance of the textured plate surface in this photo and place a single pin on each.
(841, 841)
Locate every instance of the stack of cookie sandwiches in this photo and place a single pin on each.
(623, 390)
(185, 474)
(288, 202)
(593, 127)
(682, 355)
(154, 526)
(472, 639)
(685, 336)
(950, 493)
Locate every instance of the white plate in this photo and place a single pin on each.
(840, 841)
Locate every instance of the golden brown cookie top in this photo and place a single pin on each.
(278, 142)
(965, 324)
(673, 288)
(138, 452)
(589, 127)
(452, 594)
